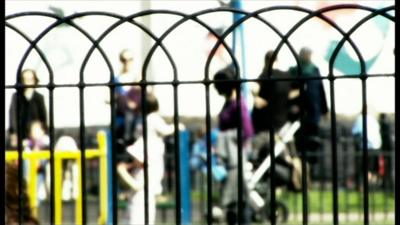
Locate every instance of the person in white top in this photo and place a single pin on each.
(373, 131)
(374, 143)
(157, 128)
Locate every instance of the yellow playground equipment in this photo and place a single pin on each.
(59, 156)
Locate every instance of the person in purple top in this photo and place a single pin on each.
(227, 145)
(229, 113)
(228, 117)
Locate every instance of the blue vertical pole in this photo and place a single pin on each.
(185, 179)
(237, 4)
(110, 179)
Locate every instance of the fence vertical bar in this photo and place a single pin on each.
(3, 154)
(397, 136)
(365, 149)
(113, 155)
(272, 154)
(240, 205)
(143, 89)
(82, 135)
(334, 151)
(178, 210)
(51, 134)
(20, 160)
(304, 182)
(208, 142)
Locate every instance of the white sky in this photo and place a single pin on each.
(65, 49)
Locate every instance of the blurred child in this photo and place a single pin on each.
(70, 178)
(198, 160)
(38, 140)
(133, 173)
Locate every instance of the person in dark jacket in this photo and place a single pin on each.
(312, 102)
(272, 100)
(31, 107)
(272, 106)
(387, 149)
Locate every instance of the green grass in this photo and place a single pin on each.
(349, 201)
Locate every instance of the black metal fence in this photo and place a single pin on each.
(207, 82)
